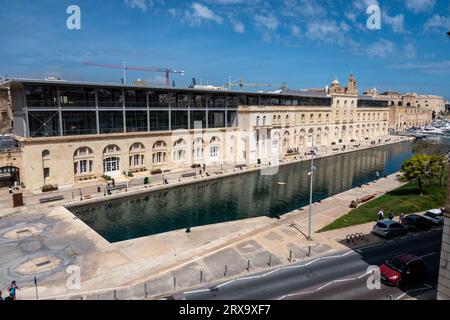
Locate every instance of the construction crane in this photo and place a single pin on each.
(243, 84)
(124, 67)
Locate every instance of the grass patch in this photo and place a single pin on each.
(405, 199)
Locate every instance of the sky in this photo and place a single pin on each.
(302, 43)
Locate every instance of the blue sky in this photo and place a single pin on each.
(304, 43)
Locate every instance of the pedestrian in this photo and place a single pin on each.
(12, 290)
(380, 215)
(10, 189)
(378, 175)
(391, 215)
(402, 216)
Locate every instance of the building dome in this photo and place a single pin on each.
(335, 81)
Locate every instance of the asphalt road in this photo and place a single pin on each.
(337, 277)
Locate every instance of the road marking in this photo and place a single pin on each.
(427, 255)
(273, 271)
(427, 287)
(324, 286)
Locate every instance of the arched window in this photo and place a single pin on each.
(197, 150)
(179, 150)
(83, 161)
(45, 155)
(159, 152)
(136, 157)
(111, 149)
(257, 121)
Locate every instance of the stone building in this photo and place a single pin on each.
(410, 109)
(71, 132)
(5, 111)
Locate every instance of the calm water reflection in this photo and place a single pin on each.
(239, 197)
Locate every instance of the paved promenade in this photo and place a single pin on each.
(43, 240)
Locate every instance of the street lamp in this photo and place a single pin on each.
(311, 174)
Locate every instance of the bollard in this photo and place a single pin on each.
(290, 255)
(115, 294)
(225, 273)
(248, 265)
(270, 259)
(174, 282)
(145, 290)
(201, 276)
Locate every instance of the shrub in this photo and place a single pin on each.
(146, 180)
(107, 178)
(156, 171)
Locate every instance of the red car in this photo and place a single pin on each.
(403, 269)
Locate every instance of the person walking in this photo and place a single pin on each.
(401, 217)
(391, 215)
(378, 175)
(12, 290)
(380, 215)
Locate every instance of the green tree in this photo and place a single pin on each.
(422, 167)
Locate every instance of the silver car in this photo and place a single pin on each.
(436, 216)
(389, 228)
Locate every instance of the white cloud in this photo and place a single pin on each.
(381, 49)
(428, 67)
(200, 13)
(420, 6)
(396, 22)
(141, 4)
(268, 21)
(238, 26)
(324, 30)
(437, 23)
(409, 51)
(295, 30)
(362, 5)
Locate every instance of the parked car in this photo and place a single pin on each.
(403, 269)
(435, 216)
(415, 222)
(389, 229)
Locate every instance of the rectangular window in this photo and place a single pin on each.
(110, 98)
(200, 117)
(232, 120)
(182, 100)
(216, 119)
(43, 124)
(79, 122)
(219, 101)
(77, 97)
(198, 101)
(135, 99)
(158, 99)
(46, 172)
(83, 166)
(136, 121)
(180, 120)
(233, 101)
(159, 120)
(41, 96)
(111, 121)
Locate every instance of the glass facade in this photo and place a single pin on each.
(135, 98)
(111, 121)
(43, 124)
(216, 119)
(79, 122)
(372, 103)
(159, 120)
(158, 99)
(180, 120)
(136, 121)
(232, 119)
(198, 116)
(109, 98)
(41, 96)
(77, 97)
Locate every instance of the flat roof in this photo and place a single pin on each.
(18, 82)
